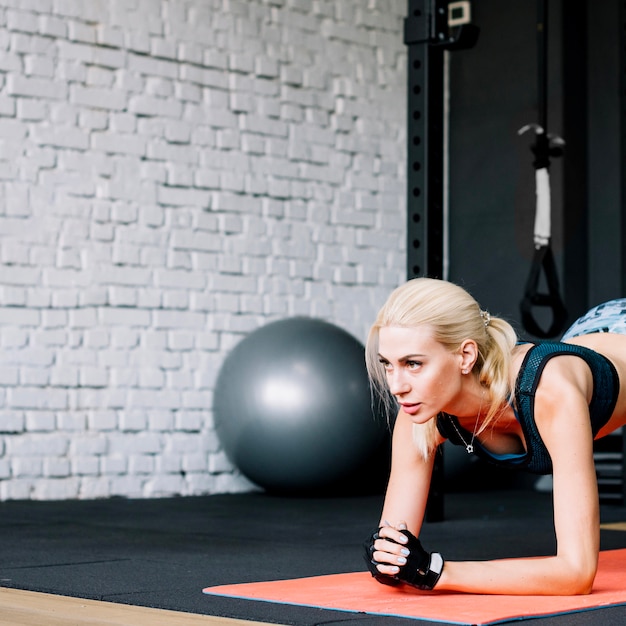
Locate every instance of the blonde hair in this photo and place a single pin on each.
(454, 315)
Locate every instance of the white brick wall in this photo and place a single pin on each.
(173, 175)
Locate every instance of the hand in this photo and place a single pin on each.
(373, 565)
(395, 555)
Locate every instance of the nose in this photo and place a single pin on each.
(398, 384)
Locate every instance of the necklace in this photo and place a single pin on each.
(469, 447)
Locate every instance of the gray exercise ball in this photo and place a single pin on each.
(293, 409)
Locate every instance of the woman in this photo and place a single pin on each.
(458, 373)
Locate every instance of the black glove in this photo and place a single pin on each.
(384, 579)
(422, 569)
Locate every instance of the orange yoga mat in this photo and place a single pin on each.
(357, 592)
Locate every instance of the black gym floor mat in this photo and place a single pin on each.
(161, 553)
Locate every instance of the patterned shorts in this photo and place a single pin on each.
(609, 317)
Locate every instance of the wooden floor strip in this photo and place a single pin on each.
(28, 608)
(614, 526)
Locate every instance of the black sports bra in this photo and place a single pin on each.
(537, 458)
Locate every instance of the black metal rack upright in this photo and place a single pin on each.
(427, 35)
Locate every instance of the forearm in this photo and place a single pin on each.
(523, 576)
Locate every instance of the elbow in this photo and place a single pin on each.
(579, 587)
(579, 580)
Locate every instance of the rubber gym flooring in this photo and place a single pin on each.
(161, 553)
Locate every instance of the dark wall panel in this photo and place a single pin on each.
(493, 93)
(604, 152)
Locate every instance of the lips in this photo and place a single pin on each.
(411, 409)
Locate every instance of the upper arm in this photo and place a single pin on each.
(409, 480)
(562, 417)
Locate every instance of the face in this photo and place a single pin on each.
(423, 375)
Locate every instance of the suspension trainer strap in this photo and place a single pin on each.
(543, 260)
(545, 146)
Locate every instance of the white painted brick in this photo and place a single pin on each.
(161, 88)
(12, 296)
(128, 276)
(85, 466)
(154, 339)
(178, 320)
(138, 41)
(54, 319)
(175, 299)
(180, 196)
(16, 489)
(127, 486)
(5, 470)
(133, 421)
(169, 464)
(195, 463)
(180, 380)
(164, 485)
(165, 278)
(19, 316)
(219, 463)
(163, 151)
(36, 87)
(91, 444)
(141, 464)
(93, 377)
(179, 340)
(10, 62)
(149, 66)
(96, 97)
(148, 105)
(141, 443)
(149, 298)
(56, 467)
(114, 465)
(160, 421)
(35, 376)
(72, 138)
(190, 421)
(65, 298)
(148, 398)
(92, 488)
(52, 26)
(37, 65)
(151, 378)
(36, 398)
(14, 337)
(38, 298)
(101, 420)
(119, 143)
(24, 21)
(26, 467)
(110, 36)
(123, 377)
(93, 296)
(123, 296)
(79, 31)
(71, 421)
(12, 421)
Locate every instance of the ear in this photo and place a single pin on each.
(469, 354)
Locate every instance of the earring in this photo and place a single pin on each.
(465, 371)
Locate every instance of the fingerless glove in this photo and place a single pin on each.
(422, 569)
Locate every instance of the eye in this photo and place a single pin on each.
(386, 365)
(413, 365)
